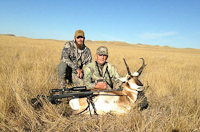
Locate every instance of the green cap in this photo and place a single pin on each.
(79, 33)
(102, 50)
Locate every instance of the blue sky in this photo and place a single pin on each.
(175, 23)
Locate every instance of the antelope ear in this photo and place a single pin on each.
(135, 74)
(122, 79)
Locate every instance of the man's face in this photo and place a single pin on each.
(101, 59)
(79, 40)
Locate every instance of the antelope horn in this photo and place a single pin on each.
(129, 73)
(142, 67)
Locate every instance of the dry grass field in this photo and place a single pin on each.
(171, 80)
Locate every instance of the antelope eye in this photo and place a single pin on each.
(129, 78)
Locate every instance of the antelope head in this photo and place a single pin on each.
(131, 79)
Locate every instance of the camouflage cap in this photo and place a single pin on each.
(79, 33)
(102, 50)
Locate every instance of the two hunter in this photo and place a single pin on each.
(99, 74)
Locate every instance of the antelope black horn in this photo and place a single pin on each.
(129, 73)
(142, 67)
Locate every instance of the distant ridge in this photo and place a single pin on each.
(103, 42)
(7, 34)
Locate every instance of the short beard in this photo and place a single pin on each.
(79, 46)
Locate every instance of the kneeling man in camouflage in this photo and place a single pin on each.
(75, 54)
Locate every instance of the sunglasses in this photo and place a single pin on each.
(79, 37)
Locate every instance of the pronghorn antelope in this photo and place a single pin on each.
(117, 102)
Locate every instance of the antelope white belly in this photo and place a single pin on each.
(108, 104)
(74, 104)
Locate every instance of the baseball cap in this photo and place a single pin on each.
(102, 50)
(79, 33)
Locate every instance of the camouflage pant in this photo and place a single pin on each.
(66, 73)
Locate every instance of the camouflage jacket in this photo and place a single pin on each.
(91, 75)
(74, 57)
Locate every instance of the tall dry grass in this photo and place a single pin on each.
(171, 80)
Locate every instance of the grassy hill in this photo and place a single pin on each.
(171, 82)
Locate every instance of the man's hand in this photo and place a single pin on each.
(80, 73)
(101, 85)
